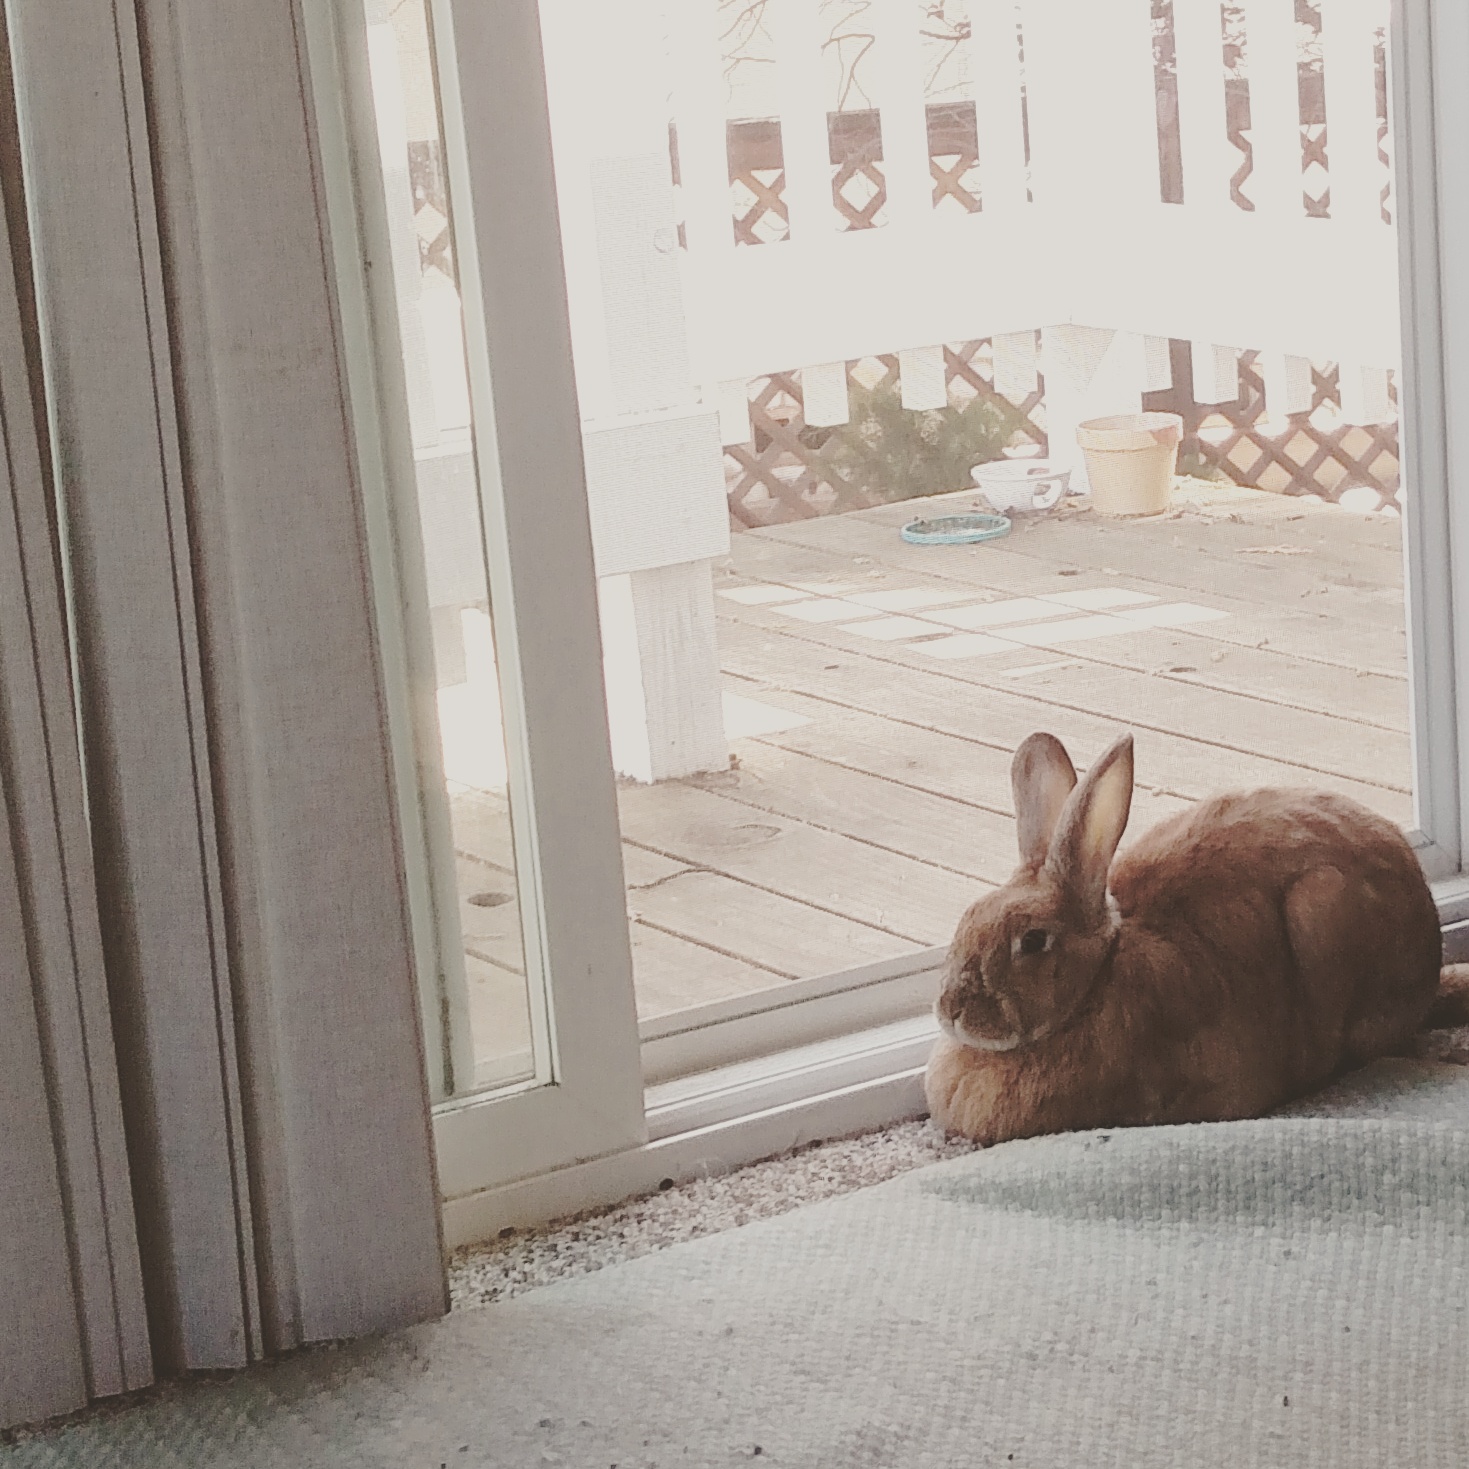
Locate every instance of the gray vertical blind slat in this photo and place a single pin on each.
(70, 1289)
(103, 309)
(346, 1195)
(61, 942)
(43, 1370)
(38, 751)
(239, 777)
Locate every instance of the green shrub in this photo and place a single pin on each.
(1193, 465)
(888, 452)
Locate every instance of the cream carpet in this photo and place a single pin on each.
(1286, 1293)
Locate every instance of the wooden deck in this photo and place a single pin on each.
(878, 690)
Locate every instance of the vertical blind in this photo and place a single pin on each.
(70, 1287)
(216, 962)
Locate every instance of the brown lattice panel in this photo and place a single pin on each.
(431, 207)
(782, 474)
(859, 192)
(1315, 454)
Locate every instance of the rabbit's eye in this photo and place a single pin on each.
(1034, 941)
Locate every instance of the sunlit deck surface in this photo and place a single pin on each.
(876, 690)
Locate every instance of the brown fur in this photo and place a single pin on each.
(1251, 949)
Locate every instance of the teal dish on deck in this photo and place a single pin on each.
(956, 530)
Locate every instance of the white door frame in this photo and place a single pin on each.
(585, 1098)
(1430, 117)
(591, 1135)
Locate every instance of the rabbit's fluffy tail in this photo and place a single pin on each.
(1451, 1008)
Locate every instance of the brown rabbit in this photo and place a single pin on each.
(1236, 956)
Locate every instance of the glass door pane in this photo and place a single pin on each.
(465, 416)
(481, 959)
(835, 269)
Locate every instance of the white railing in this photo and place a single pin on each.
(1074, 265)
(1093, 244)
(1074, 234)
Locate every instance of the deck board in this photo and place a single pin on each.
(1220, 555)
(499, 1021)
(1235, 664)
(763, 928)
(864, 686)
(884, 890)
(1306, 626)
(490, 933)
(862, 832)
(1327, 744)
(1175, 555)
(945, 831)
(676, 973)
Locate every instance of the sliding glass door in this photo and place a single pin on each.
(472, 469)
(687, 326)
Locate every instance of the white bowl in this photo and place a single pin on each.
(1021, 484)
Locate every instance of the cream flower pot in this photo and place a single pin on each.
(1131, 459)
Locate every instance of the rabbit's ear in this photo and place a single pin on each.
(1092, 824)
(1042, 776)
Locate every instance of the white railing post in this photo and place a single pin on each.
(1275, 107)
(732, 398)
(702, 139)
(903, 112)
(654, 460)
(393, 140)
(804, 139)
(1203, 122)
(1287, 380)
(1348, 37)
(922, 379)
(1349, 70)
(907, 174)
(1013, 362)
(1288, 390)
(701, 128)
(1365, 393)
(1058, 93)
(1275, 185)
(1094, 158)
(1090, 92)
(1089, 373)
(1216, 373)
(994, 55)
(1157, 365)
(824, 394)
(1209, 161)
